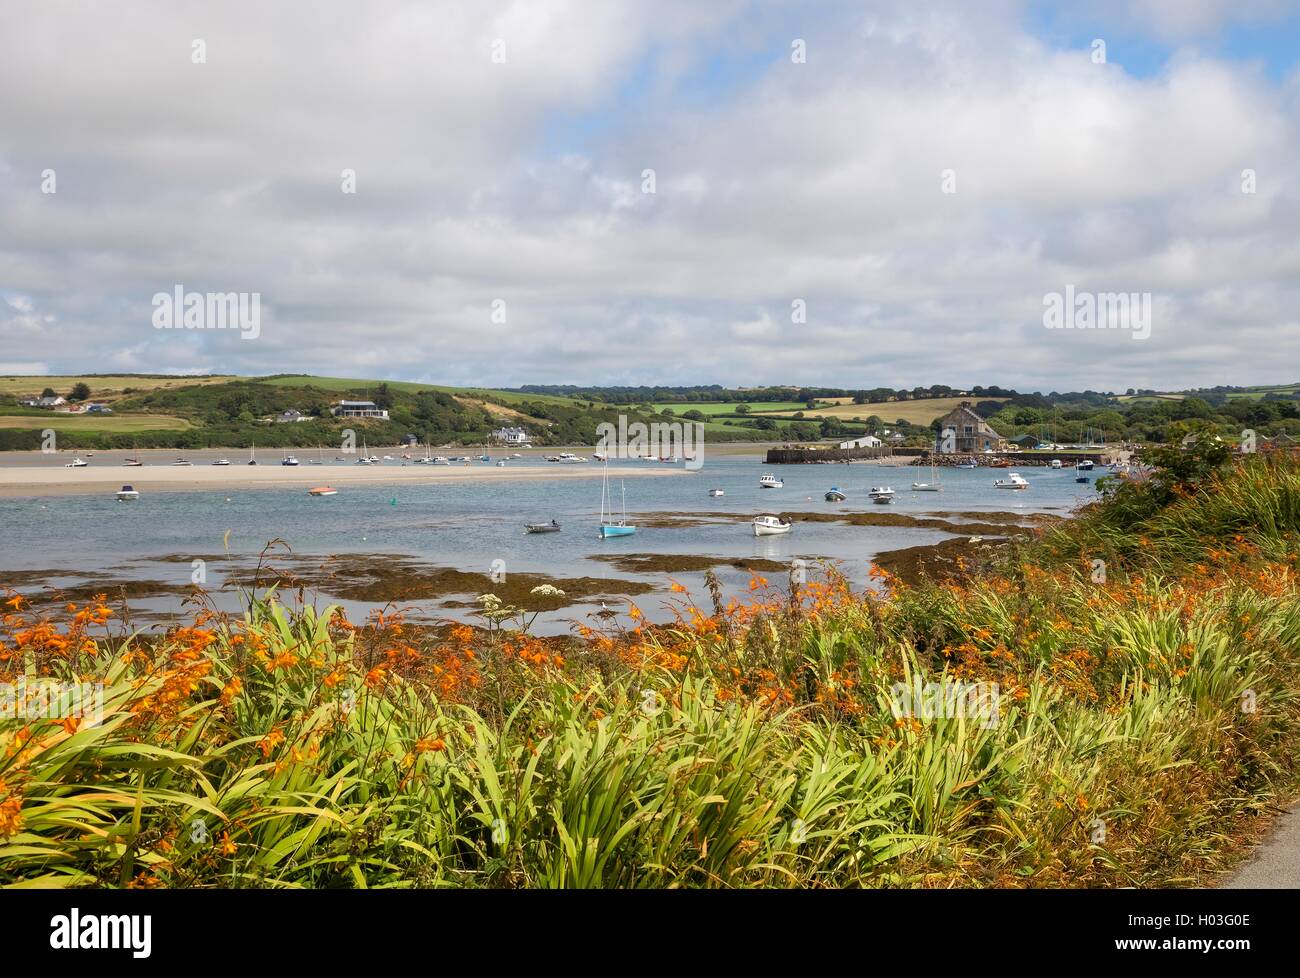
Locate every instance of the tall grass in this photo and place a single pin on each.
(1142, 719)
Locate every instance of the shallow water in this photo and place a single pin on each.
(468, 526)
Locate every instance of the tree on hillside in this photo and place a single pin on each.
(80, 391)
(49, 392)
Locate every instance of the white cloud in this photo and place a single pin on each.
(522, 182)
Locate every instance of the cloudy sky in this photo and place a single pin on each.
(856, 194)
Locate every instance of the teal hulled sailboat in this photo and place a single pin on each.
(609, 527)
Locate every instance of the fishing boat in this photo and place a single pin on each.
(833, 495)
(1014, 480)
(770, 481)
(127, 493)
(289, 460)
(322, 491)
(881, 494)
(551, 527)
(1000, 463)
(609, 527)
(77, 463)
(222, 461)
(1085, 465)
(716, 492)
(768, 525)
(1055, 463)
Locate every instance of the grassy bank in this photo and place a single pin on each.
(1146, 711)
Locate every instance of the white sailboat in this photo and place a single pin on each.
(931, 486)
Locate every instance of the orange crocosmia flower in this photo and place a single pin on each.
(679, 588)
(270, 742)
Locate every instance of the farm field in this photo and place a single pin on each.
(92, 423)
(729, 407)
(104, 385)
(920, 412)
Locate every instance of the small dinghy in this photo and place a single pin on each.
(127, 493)
(322, 491)
(716, 492)
(551, 527)
(768, 525)
(833, 495)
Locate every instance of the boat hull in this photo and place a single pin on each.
(769, 531)
(616, 531)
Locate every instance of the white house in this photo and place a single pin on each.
(45, 402)
(515, 437)
(359, 409)
(866, 441)
(290, 416)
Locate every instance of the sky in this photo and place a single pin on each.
(848, 194)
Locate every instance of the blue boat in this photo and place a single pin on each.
(610, 527)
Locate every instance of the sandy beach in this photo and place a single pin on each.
(107, 477)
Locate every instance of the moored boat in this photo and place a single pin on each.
(717, 492)
(833, 495)
(127, 493)
(1014, 480)
(551, 527)
(609, 527)
(76, 463)
(770, 481)
(322, 491)
(881, 494)
(769, 525)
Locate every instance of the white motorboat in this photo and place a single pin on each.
(77, 463)
(289, 460)
(182, 461)
(134, 463)
(770, 481)
(768, 526)
(833, 495)
(222, 461)
(322, 491)
(127, 493)
(1014, 480)
(881, 494)
(716, 492)
(1085, 465)
(1055, 463)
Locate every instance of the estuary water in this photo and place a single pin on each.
(75, 540)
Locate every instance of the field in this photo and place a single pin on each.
(1016, 722)
(91, 423)
(101, 386)
(920, 412)
(712, 408)
(507, 398)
